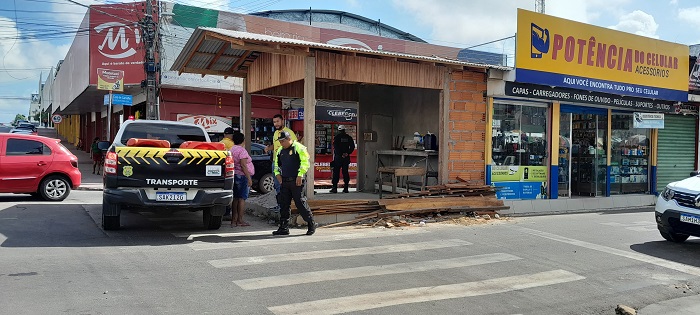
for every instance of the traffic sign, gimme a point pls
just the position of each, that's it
(119, 99)
(56, 119)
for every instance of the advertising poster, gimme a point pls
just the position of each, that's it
(110, 80)
(213, 124)
(519, 182)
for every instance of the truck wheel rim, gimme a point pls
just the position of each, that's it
(56, 188)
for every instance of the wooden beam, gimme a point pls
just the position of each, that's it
(216, 58)
(215, 72)
(310, 119)
(189, 57)
(217, 36)
(240, 60)
(301, 51)
(444, 129)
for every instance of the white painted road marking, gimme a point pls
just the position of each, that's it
(266, 238)
(614, 251)
(639, 226)
(425, 294)
(370, 271)
(344, 252)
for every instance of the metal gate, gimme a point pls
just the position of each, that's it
(676, 149)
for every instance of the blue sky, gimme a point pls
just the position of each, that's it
(44, 26)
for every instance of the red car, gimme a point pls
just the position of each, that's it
(37, 165)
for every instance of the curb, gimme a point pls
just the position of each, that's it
(88, 188)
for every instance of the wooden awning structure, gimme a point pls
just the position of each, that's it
(215, 51)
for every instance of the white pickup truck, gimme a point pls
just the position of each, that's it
(678, 210)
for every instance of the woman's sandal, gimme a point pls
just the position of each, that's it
(243, 224)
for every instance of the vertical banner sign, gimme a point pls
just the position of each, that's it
(558, 52)
(694, 83)
(110, 80)
(117, 41)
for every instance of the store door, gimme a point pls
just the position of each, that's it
(676, 149)
(587, 160)
(564, 178)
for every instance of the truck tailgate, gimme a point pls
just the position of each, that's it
(164, 167)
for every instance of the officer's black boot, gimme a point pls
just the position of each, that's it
(345, 188)
(312, 228)
(334, 190)
(283, 229)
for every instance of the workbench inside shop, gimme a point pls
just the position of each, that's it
(419, 163)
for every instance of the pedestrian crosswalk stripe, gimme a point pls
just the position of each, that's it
(263, 238)
(370, 271)
(425, 294)
(344, 252)
(691, 270)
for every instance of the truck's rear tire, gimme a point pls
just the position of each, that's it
(111, 222)
(211, 222)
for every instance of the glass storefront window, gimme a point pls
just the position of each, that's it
(519, 135)
(629, 169)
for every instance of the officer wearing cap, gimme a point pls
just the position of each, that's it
(291, 165)
(228, 138)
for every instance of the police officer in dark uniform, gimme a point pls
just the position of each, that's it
(291, 166)
(343, 145)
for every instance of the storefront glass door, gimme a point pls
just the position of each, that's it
(564, 179)
(588, 154)
(630, 157)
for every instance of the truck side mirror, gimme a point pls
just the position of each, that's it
(103, 145)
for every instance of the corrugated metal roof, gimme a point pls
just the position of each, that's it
(190, 45)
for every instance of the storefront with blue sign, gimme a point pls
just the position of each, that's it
(585, 120)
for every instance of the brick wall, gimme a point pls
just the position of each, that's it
(467, 126)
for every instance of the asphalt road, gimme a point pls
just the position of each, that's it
(54, 258)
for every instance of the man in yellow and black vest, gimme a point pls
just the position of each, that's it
(291, 165)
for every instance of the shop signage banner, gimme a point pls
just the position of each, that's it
(110, 80)
(295, 114)
(117, 41)
(210, 123)
(564, 53)
(694, 83)
(119, 99)
(648, 120)
(597, 98)
(339, 114)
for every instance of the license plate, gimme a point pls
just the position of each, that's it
(171, 196)
(690, 219)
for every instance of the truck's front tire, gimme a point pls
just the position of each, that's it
(211, 222)
(674, 237)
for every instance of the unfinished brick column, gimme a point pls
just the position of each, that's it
(467, 126)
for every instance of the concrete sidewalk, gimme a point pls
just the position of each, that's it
(689, 305)
(89, 181)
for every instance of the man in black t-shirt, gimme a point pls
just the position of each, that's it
(343, 146)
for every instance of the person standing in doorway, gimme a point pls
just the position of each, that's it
(343, 146)
(292, 163)
(243, 172)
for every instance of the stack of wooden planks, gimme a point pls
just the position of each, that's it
(475, 200)
(458, 189)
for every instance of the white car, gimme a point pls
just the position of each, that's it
(678, 210)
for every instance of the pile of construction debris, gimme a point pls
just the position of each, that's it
(436, 203)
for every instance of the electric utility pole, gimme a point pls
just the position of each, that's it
(152, 62)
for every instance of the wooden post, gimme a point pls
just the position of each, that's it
(444, 130)
(310, 120)
(245, 114)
